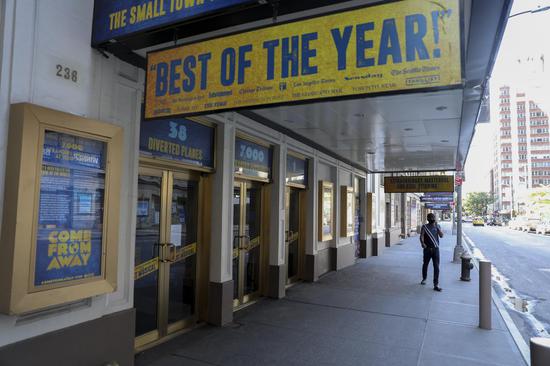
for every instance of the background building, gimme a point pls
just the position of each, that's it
(521, 149)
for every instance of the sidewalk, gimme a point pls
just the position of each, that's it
(373, 313)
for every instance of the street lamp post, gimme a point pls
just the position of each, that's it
(459, 249)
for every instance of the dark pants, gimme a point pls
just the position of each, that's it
(433, 254)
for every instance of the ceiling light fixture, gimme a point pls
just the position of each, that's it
(441, 108)
(444, 140)
(408, 129)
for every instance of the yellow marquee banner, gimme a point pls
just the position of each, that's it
(419, 184)
(402, 45)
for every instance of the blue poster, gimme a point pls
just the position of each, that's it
(70, 212)
(252, 159)
(118, 18)
(296, 170)
(178, 139)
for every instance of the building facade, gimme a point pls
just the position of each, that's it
(521, 150)
(121, 231)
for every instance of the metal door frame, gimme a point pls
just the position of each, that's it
(244, 242)
(288, 189)
(164, 328)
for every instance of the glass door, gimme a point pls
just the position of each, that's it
(292, 233)
(149, 235)
(165, 272)
(247, 239)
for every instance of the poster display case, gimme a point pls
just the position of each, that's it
(61, 209)
(326, 211)
(347, 210)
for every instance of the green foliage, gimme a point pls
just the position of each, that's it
(476, 203)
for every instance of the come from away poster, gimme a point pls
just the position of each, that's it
(392, 47)
(70, 214)
(118, 18)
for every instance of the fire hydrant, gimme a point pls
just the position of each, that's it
(467, 265)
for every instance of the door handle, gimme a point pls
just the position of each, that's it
(246, 240)
(167, 253)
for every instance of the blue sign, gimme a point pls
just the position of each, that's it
(439, 194)
(178, 139)
(438, 206)
(296, 170)
(70, 211)
(437, 199)
(252, 159)
(118, 18)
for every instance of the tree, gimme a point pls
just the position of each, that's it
(476, 203)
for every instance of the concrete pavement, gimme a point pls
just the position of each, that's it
(373, 313)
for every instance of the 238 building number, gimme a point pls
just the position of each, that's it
(66, 73)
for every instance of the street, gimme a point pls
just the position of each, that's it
(524, 260)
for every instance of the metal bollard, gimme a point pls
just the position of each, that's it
(485, 294)
(540, 351)
(467, 265)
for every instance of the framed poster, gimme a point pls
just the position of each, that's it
(60, 239)
(326, 211)
(347, 211)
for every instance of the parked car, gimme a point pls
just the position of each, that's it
(495, 221)
(516, 223)
(478, 221)
(543, 228)
(531, 224)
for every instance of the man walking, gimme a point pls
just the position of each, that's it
(429, 238)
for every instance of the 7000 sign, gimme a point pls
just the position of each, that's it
(250, 153)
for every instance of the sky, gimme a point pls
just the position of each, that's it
(525, 36)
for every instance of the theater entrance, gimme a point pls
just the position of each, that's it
(247, 241)
(293, 234)
(165, 272)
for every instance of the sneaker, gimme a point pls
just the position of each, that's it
(423, 282)
(437, 288)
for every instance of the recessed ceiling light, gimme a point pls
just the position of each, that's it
(370, 152)
(408, 129)
(359, 115)
(441, 108)
(444, 140)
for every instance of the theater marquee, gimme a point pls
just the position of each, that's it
(418, 184)
(405, 45)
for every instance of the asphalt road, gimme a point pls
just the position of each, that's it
(524, 259)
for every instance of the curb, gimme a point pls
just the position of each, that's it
(512, 328)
